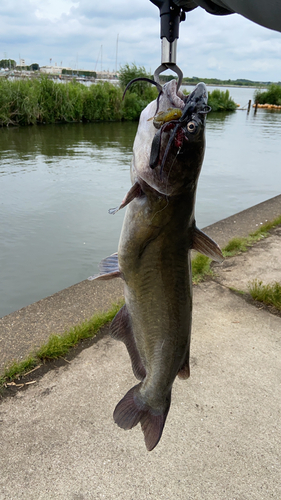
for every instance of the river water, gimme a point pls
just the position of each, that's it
(57, 183)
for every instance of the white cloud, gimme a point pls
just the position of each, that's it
(52, 9)
(74, 31)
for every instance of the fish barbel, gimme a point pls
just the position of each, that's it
(153, 258)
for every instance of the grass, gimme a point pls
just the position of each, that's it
(237, 245)
(236, 290)
(201, 268)
(59, 345)
(269, 294)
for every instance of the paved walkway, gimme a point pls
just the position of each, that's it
(222, 439)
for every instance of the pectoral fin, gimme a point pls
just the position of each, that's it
(108, 268)
(134, 192)
(204, 244)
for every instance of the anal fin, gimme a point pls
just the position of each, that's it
(204, 244)
(121, 329)
(184, 372)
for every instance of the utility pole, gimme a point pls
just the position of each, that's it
(116, 54)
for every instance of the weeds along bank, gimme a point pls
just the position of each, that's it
(30, 102)
(27, 102)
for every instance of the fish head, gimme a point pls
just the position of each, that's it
(169, 158)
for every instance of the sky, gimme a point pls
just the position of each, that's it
(83, 35)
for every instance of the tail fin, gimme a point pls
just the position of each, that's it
(130, 411)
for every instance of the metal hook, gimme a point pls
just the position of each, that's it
(164, 67)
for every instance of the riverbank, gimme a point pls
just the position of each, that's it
(26, 330)
(222, 436)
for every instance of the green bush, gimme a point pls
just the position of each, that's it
(270, 96)
(75, 93)
(102, 102)
(18, 103)
(130, 72)
(5, 99)
(139, 95)
(220, 100)
(132, 107)
(59, 102)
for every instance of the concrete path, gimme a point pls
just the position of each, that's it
(222, 439)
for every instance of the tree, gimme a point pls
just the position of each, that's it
(7, 63)
(34, 67)
(130, 72)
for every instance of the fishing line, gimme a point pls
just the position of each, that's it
(166, 196)
(178, 151)
(164, 208)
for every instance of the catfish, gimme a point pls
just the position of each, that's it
(153, 258)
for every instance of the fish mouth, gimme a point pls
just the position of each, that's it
(193, 106)
(197, 101)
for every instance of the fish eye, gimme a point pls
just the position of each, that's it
(192, 126)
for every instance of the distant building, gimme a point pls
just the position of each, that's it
(58, 70)
(107, 75)
(52, 70)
